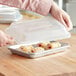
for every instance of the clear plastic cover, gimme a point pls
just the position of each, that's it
(44, 29)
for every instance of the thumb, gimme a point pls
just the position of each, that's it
(62, 21)
(11, 41)
(68, 22)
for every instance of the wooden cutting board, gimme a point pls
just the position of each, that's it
(62, 64)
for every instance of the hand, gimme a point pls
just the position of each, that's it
(61, 16)
(5, 39)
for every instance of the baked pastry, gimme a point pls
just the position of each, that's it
(38, 49)
(27, 48)
(52, 45)
(43, 44)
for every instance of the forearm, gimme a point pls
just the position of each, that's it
(54, 6)
(40, 6)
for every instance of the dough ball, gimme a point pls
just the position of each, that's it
(27, 48)
(43, 45)
(52, 45)
(38, 49)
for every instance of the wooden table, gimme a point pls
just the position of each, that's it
(62, 64)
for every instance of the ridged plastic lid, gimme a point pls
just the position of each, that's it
(44, 29)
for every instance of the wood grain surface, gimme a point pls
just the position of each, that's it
(62, 64)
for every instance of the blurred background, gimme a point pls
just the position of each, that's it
(70, 7)
(10, 14)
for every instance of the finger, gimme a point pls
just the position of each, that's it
(3, 41)
(9, 37)
(65, 22)
(1, 45)
(60, 19)
(68, 22)
(10, 41)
